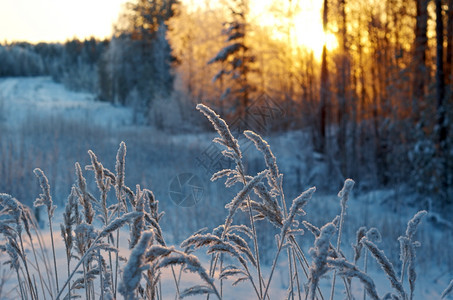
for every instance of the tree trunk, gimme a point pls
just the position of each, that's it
(440, 80)
(441, 109)
(449, 59)
(420, 46)
(343, 83)
(324, 89)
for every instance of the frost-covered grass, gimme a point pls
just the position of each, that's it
(114, 244)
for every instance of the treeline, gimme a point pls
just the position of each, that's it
(74, 63)
(378, 107)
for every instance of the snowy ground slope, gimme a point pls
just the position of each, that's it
(21, 98)
(162, 156)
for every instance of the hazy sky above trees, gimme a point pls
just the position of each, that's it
(59, 20)
(56, 20)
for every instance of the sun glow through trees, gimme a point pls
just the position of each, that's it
(298, 23)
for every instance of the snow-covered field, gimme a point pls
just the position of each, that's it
(22, 98)
(155, 157)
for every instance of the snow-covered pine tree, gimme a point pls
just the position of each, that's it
(236, 58)
(138, 62)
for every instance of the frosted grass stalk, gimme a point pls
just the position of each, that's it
(222, 129)
(119, 183)
(85, 198)
(94, 245)
(407, 246)
(227, 139)
(350, 270)
(46, 199)
(269, 158)
(320, 253)
(386, 265)
(191, 264)
(298, 203)
(248, 186)
(28, 219)
(448, 290)
(274, 174)
(133, 270)
(296, 273)
(344, 195)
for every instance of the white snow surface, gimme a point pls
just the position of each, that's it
(21, 98)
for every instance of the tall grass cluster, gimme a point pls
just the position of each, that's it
(97, 225)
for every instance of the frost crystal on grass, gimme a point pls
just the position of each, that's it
(137, 226)
(119, 222)
(269, 158)
(320, 253)
(156, 251)
(413, 223)
(374, 235)
(296, 207)
(120, 164)
(85, 197)
(11, 207)
(358, 246)
(132, 273)
(407, 253)
(98, 170)
(349, 270)
(386, 265)
(190, 262)
(345, 191)
(196, 290)
(241, 196)
(200, 240)
(45, 198)
(221, 127)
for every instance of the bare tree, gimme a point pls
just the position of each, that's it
(440, 80)
(449, 59)
(324, 93)
(420, 47)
